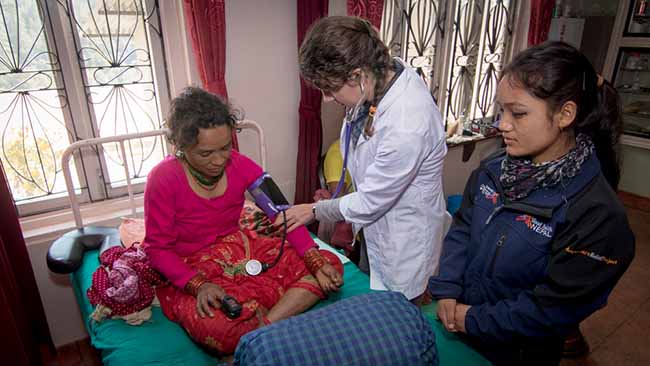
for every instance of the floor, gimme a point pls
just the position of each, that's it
(79, 353)
(617, 335)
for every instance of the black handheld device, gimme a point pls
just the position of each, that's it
(231, 307)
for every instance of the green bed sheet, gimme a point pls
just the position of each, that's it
(160, 342)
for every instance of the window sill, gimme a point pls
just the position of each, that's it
(49, 226)
(456, 140)
(468, 143)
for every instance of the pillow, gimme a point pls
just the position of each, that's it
(379, 328)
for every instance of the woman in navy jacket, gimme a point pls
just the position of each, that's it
(540, 239)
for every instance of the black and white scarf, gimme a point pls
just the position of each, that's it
(520, 176)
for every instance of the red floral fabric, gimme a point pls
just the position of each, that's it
(224, 264)
(367, 9)
(124, 281)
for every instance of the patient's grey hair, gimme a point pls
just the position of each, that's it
(196, 108)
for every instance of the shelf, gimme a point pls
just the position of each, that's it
(641, 19)
(634, 92)
(641, 132)
(637, 115)
(455, 140)
(634, 70)
(640, 142)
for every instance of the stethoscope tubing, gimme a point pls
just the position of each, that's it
(350, 116)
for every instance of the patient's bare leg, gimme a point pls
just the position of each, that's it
(294, 301)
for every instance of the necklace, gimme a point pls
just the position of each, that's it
(207, 183)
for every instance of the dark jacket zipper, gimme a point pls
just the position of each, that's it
(500, 242)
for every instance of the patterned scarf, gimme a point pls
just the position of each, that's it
(359, 123)
(520, 176)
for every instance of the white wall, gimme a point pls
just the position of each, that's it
(456, 172)
(262, 78)
(635, 177)
(61, 310)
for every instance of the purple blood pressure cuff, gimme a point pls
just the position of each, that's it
(267, 196)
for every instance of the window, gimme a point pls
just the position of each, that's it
(76, 69)
(458, 47)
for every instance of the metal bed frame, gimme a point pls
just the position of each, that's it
(120, 139)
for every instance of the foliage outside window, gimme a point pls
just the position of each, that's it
(71, 70)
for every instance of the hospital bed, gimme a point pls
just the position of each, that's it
(160, 341)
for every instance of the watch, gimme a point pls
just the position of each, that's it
(313, 210)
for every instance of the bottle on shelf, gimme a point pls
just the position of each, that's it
(557, 9)
(642, 7)
(633, 61)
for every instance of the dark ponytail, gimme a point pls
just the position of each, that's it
(557, 73)
(607, 132)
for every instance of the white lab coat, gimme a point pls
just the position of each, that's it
(399, 200)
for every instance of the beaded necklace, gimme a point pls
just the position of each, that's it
(207, 183)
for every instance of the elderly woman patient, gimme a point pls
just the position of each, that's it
(193, 202)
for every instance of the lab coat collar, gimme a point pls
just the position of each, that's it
(393, 94)
(397, 89)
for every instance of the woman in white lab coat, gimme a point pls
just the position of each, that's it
(396, 151)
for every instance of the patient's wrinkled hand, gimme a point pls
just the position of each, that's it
(329, 278)
(209, 295)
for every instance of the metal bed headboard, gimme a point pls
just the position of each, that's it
(67, 154)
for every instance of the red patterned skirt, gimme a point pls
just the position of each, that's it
(223, 263)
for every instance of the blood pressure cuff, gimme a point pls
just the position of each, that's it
(66, 253)
(378, 328)
(267, 196)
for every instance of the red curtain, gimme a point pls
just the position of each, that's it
(25, 333)
(206, 24)
(310, 135)
(367, 9)
(541, 12)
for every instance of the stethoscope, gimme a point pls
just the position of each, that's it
(351, 115)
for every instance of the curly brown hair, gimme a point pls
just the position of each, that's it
(337, 45)
(193, 109)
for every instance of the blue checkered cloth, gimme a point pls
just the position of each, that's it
(379, 328)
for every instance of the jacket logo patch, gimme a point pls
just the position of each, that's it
(592, 255)
(489, 193)
(536, 225)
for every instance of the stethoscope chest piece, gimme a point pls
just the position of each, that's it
(253, 267)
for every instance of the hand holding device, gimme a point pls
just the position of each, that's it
(231, 307)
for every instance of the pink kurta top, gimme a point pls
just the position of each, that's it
(179, 222)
